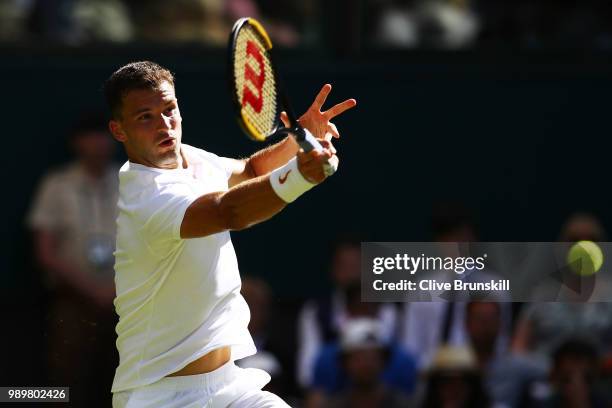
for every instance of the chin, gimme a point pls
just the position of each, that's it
(168, 159)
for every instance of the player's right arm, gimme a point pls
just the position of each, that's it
(250, 202)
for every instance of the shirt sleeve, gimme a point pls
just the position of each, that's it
(45, 211)
(161, 214)
(223, 163)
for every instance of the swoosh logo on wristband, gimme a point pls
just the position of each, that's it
(282, 179)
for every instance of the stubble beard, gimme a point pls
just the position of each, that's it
(171, 158)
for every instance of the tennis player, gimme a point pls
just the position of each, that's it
(182, 320)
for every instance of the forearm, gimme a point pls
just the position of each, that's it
(255, 200)
(242, 206)
(270, 158)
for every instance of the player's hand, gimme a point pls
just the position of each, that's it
(317, 122)
(311, 164)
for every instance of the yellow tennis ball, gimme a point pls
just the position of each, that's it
(585, 258)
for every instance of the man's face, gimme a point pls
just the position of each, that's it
(346, 266)
(364, 366)
(482, 324)
(573, 377)
(94, 148)
(150, 126)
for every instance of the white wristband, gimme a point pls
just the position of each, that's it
(288, 183)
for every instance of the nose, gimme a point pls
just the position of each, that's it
(166, 122)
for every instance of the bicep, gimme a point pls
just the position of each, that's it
(203, 217)
(246, 204)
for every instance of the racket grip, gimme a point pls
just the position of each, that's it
(310, 143)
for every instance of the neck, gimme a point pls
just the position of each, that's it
(367, 391)
(93, 170)
(180, 162)
(484, 352)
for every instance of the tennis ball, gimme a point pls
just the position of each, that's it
(585, 258)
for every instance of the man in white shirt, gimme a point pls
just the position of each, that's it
(182, 320)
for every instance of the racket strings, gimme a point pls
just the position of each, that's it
(255, 82)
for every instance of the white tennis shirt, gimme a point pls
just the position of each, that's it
(177, 299)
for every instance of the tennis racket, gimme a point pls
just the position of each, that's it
(256, 93)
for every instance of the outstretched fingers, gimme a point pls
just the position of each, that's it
(321, 97)
(340, 108)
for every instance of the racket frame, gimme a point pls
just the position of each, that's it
(295, 130)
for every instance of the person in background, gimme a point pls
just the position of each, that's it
(363, 357)
(542, 327)
(428, 325)
(505, 375)
(454, 380)
(78, 22)
(330, 377)
(446, 24)
(73, 223)
(573, 380)
(273, 354)
(321, 320)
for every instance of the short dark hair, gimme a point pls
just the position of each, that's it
(576, 347)
(449, 216)
(135, 75)
(88, 121)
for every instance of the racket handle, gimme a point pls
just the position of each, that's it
(310, 143)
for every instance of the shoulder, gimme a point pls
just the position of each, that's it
(58, 176)
(141, 185)
(197, 153)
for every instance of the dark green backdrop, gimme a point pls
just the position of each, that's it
(522, 139)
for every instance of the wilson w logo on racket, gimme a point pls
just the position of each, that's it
(255, 90)
(256, 79)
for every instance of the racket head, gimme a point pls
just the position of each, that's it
(252, 79)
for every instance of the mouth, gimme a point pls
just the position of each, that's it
(167, 142)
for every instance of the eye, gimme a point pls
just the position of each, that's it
(144, 117)
(170, 110)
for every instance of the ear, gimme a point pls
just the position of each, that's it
(116, 130)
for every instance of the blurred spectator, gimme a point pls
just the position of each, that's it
(573, 379)
(210, 21)
(563, 283)
(73, 220)
(431, 323)
(399, 370)
(285, 20)
(543, 326)
(557, 24)
(184, 20)
(505, 375)
(272, 355)
(440, 24)
(582, 226)
(322, 320)
(13, 19)
(424, 23)
(448, 24)
(483, 322)
(363, 357)
(454, 381)
(75, 22)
